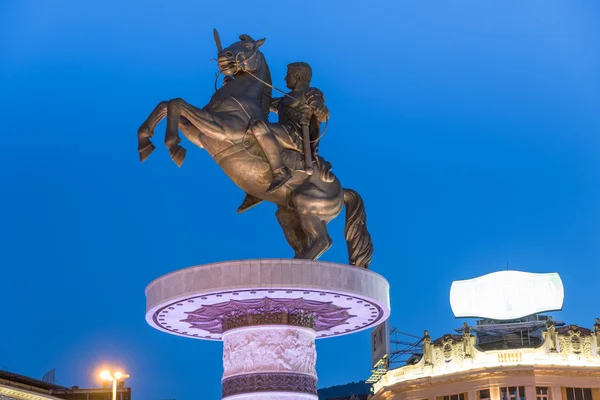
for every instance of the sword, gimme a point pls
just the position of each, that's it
(217, 40)
(304, 123)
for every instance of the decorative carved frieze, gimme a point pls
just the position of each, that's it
(575, 341)
(269, 382)
(449, 349)
(221, 317)
(274, 349)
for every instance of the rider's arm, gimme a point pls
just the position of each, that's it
(316, 99)
(322, 113)
(275, 104)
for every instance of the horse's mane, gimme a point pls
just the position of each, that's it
(267, 91)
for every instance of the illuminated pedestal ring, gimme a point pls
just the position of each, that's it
(268, 314)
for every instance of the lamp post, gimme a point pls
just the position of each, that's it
(116, 377)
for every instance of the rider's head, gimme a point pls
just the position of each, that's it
(299, 75)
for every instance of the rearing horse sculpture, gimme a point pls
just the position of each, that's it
(306, 203)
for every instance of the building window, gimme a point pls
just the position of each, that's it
(513, 393)
(484, 395)
(455, 397)
(542, 393)
(579, 394)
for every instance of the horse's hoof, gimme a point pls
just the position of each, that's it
(178, 155)
(146, 151)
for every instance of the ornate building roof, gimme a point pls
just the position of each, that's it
(451, 355)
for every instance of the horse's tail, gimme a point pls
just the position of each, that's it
(358, 239)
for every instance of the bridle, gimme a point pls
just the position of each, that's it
(243, 66)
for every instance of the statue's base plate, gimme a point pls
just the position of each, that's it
(204, 301)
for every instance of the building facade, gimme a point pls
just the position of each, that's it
(18, 387)
(564, 366)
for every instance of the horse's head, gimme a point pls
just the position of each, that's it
(242, 56)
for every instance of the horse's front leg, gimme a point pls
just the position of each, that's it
(172, 138)
(146, 131)
(202, 120)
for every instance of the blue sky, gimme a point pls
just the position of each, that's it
(470, 128)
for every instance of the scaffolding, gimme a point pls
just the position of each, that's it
(524, 332)
(406, 350)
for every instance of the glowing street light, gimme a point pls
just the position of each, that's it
(116, 377)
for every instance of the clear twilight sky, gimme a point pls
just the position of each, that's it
(470, 128)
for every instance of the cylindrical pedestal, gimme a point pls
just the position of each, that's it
(268, 314)
(269, 362)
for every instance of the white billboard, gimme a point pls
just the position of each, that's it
(507, 295)
(380, 342)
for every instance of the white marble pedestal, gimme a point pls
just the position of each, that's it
(268, 314)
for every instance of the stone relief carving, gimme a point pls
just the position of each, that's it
(427, 349)
(550, 336)
(452, 349)
(575, 341)
(597, 335)
(468, 341)
(438, 355)
(269, 350)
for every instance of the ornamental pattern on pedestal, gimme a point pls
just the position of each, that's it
(272, 350)
(218, 318)
(239, 319)
(255, 383)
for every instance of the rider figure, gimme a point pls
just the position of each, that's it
(293, 109)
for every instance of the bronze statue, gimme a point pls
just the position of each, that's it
(234, 129)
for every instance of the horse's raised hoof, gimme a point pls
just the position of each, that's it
(178, 154)
(146, 151)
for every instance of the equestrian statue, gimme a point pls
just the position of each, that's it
(276, 162)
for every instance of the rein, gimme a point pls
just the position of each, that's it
(218, 74)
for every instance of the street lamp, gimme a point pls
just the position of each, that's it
(116, 377)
